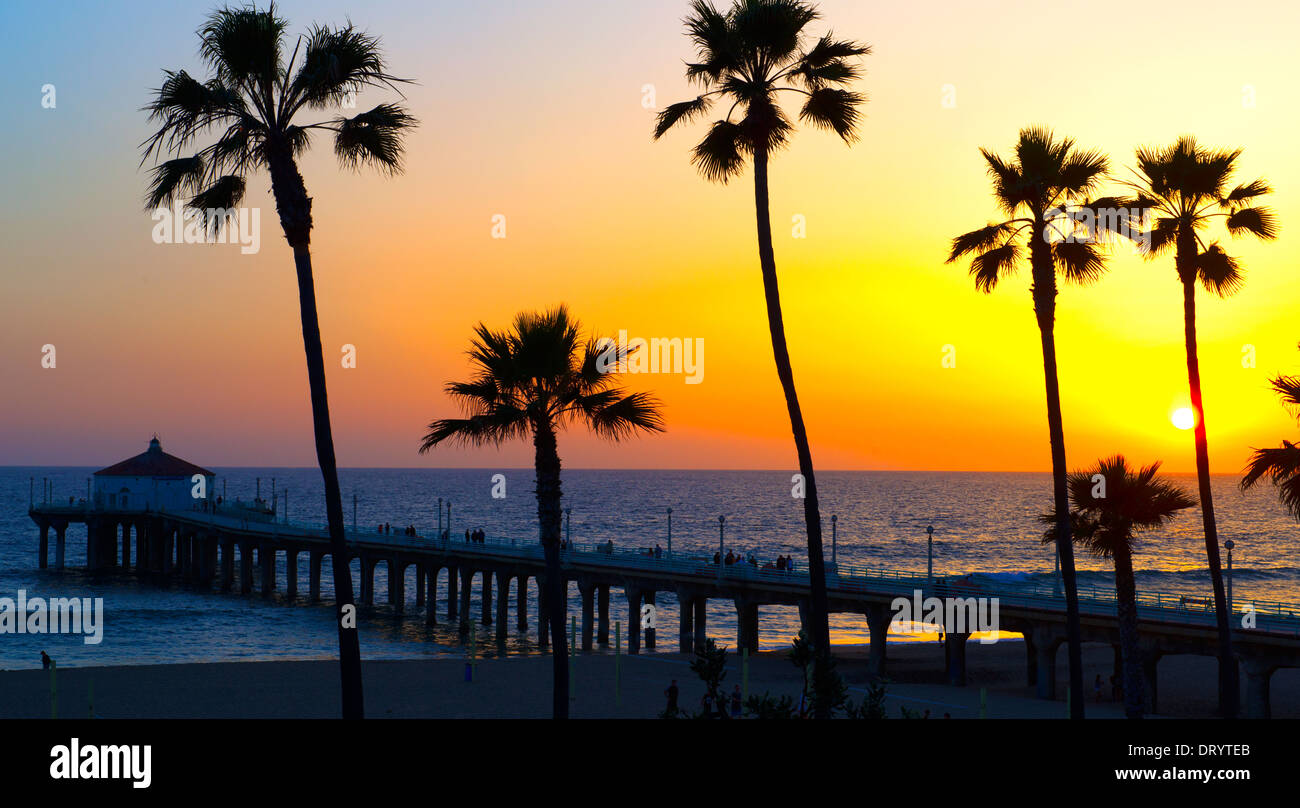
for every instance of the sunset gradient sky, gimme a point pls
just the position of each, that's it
(534, 110)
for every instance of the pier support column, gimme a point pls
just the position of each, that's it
(602, 615)
(1256, 703)
(419, 585)
(183, 549)
(1045, 645)
(486, 617)
(701, 621)
(521, 603)
(126, 543)
(685, 624)
(1151, 678)
(60, 546)
(879, 617)
(367, 567)
(45, 545)
(466, 583)
(588, 594)
(954, 647)
(746, 625)
(168, 551)
(291, 573)
(633, 620)
(266, 558)
(453, 593)
(1031, 659)
(227, 565)
(543, 621)
(397, 585)
(246, 568)
(431, 598)
(652, 618)
(503, 604)
(141, 545)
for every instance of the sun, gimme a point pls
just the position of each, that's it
(1184, 418)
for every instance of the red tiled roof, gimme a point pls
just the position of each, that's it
(153, 463)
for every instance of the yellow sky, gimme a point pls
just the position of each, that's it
(537, 115)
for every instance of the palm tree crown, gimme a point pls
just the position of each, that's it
(1185, 186)
(1041, 190)
(1132, 500)
(747, 56)
(254, 98)
(541, 374)
(1282, 464)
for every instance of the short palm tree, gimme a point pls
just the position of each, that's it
(1112, 502)
(749, 56)
(1281, 465)
(1043, 191)
(1185, 187)
(532, 381)
(253, 99)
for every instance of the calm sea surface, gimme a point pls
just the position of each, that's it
(984, 523)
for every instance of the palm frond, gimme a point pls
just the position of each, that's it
(1259, 222)
(978, 240)
(218, 201)
(991, 266)
(243, 47)
(834, 109)
(1080, 261)
(339, 62)
(173, 179)
(1219, 272)
(720, 155)
(680, 112)
(373, 137)
(1282, 467)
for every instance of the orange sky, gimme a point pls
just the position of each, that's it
(536, 113)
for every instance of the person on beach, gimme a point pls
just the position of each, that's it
(46, 661)
(735, 702)
(706, 704)
(671, 693)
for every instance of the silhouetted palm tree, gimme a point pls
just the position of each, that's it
(1280, 465)
(252, 99)
(748, 55)
(1111, 503)
(534, 380)
(1042, 190)
(1185, 187)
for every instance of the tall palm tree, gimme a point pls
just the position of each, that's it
(748, 56)
(252, 100)
(1185, 187)
(532, 381)
(1044, 191)
(1281, 465)
(1105, 524)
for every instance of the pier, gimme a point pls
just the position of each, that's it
(224, 550)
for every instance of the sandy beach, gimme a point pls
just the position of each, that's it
(519, 687)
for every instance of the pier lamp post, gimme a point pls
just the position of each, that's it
(929, 553)
(440, 517)
(354, 513)
(722, 523)
(286, 506)
(1229, 544)
(834, 536)
(568, 512)
(670, 532)
(449, 520)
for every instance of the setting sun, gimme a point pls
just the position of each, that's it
(1183, 418)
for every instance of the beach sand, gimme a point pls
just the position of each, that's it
(519, 687)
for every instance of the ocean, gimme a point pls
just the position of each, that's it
(984, 523)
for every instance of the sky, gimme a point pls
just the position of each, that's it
(541, 112)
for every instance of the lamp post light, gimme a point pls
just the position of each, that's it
(670, 532)
(1229, 544)
(929, 553)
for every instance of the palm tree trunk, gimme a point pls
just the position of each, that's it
(294, 207)
(1045, 309)
(1126, 608)
(1228, 686)
(548, 517)
(818, 606)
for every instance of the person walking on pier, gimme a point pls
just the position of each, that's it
(46, 661)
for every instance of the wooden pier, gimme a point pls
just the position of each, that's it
(221, 549)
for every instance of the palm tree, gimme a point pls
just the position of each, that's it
(1041, 190)
(1111, 503)
(252, 99)
(534, 380)
(748, 55)
(1185, 187)
(1280, 465)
